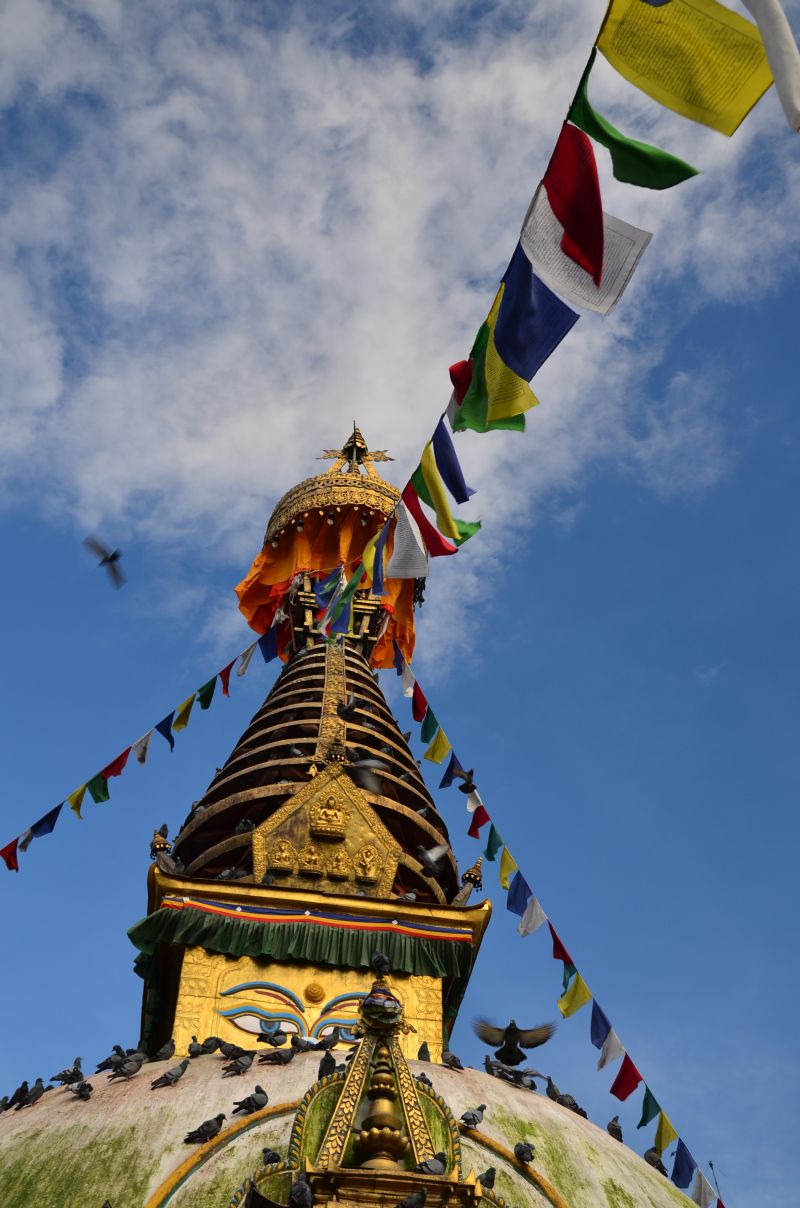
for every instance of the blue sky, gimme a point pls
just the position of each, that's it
(227, 233)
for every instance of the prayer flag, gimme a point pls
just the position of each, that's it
(98, 788)
(439, 748)
(206, 694)
(409, 682)
(75, 800)
(518, 893)
(409, 558)
(559, 951)
(479, 818)
(623, 247)
(599, 1027)
(650, 1107)
(117, 766)
(473, 801)
(25, 839)
(573, 191)
(702, 1192)
(782, 54)
(493, 843)
(46, 824)
(325, 590)
(611, 1051)
(433, 540)
(419, 703)
(450, 772)
(531, 321)
(665, 1133)
(398, 661)
(448, 464)
(268, 644)
(375, 567)
(432, 490)
(533, 917)
(575, 997)
(429, 726)
(8, 855)
(497, 396)
(141, 747)
(244, 661)
(225, 677)
(507, 865)
(181, 719)
(569, 973)
(683, 1167)
(694, 56)
(633, 162)
(627, 1079)
(164, 727)
(460, 378)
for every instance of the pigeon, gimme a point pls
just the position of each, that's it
(114, 1059)
(423, 1078)
(244, 826)
(231, 874)
(269, 1157)
(277, 1057)
(487, 1178)
(127, 1069)
(165, 1052)
(301, 1044)
(19, 1095)
(108, 558)
(195, 1049)
(573, 1106)
(415, 1200)
(239, 1065)
(296, 753)
(614, 1128)
(653, 1158)
(435, 1165)
(511, 1040)
(330, 1041)
(380, 964)
(210, 1044)
(252, 1103)
(411, 896)
(82, 1090)
(451, 1061)
(524, 1152)
(170, 1077)
(424, 1053)
(432, 860)
(33, 1095)
(136, 1055)
(300, 1193)
(205, 1131)
(468, 777)
(276, 1038)
(552, 1091)
(326, 1066)
(230, 1051)
(3, 1103)
(473, 1118)
(354, 703)
(72, 1073)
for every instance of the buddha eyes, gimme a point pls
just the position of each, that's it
(257, 1021)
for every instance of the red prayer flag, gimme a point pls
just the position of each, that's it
(9, 855)
(435, 543)
(419, 705)
(626, 1080)
(116, 767)
(573, 191)
(461, 377)
(479, 819)
(224, 678)
(559, 951)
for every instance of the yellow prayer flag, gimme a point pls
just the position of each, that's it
(509, 394)
(75, 800)
(507, 865)
(433, 481)
(368, 556)
(181, 719)
(439, 747)
(665, 1133)
(694, 56)
(575, 996)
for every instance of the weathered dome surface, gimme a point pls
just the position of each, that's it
(126, 1143)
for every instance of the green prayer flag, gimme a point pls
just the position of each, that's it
(205, 693)
(474, 408)
(650, 1108)
(429, 726)
(569, 973)
(466, 528)
(98, 787)
(493, 843)
(634, 163)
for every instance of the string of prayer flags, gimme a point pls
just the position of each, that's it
(532, 320)
(142, 745)
(436, 545)
(480, 816)
(633, 162)
(429, 725)
(493, 843)
(43, 827)
(574, 997)
(8, 855)
(75, 800)
(627, 1079)
(448, 464)
(495, 396)
(693, 56)
(508, 865)
(450, 772)
(181, 719)
(701, 1191)
(419, 703)
(518, 893)
(533, 918)
(164, 727)
(573, 190)
(782, 54)
(409, 557)
(665, 1133)
(439, 748)
(650, 1108)
(683, 1167)
(98, 788)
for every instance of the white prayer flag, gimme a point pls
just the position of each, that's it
(473, 801)
(533, 917)
(25, 840)
(611, 1050)
(782, 54)
(409, 558)
(141, 747)
(702, 1192)
(244, 661)
(623, 247)
(408, 681)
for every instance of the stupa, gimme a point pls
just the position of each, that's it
(300, 863)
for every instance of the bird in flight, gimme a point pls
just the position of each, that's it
(108, 558)
(511, 1040)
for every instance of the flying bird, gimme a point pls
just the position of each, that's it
(108, 558)
(511, 1040)
(252, 1102)
(205, 1131)
(469, 784)
(354, 703)
(170, 1077)
(432, 859)
(473, 1118)
(614, 1128)
(435, 1165)
(524, 1152)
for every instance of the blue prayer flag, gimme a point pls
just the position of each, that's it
(600, 1026)
(378, 587)
(684, 1166)
(448, 465)
(46, 824)
(164, 728)
(532, 320)
(268, 644)
(450, 772)
(325, 589)
(341, 623)
(398, 658)
(519, 891)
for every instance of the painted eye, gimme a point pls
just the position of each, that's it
(257, 1021)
